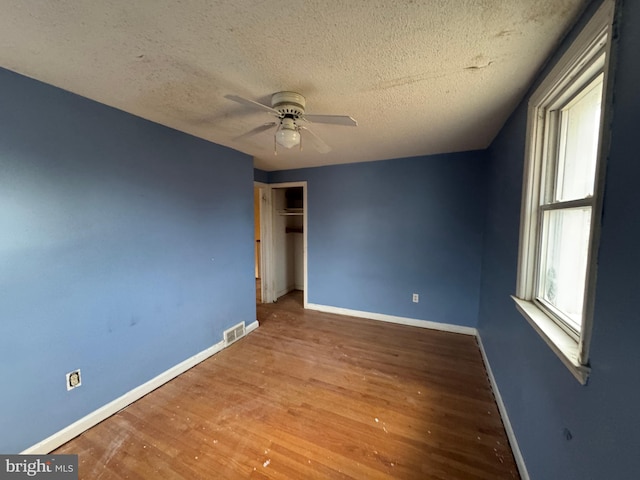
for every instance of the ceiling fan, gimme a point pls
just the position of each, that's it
(289, 110)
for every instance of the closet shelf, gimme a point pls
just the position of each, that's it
(291, 211)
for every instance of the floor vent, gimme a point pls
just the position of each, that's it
(234, 333)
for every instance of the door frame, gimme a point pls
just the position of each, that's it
(265, 231)
(267, 243)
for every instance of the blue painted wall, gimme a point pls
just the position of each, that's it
(125, 248)
(541, 396)
(260, 175)
(380, 231)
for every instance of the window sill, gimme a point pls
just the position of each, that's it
(564, 346)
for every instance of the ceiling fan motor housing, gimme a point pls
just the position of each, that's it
(290, 104)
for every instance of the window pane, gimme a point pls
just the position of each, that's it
(563, 262)
(578, 146)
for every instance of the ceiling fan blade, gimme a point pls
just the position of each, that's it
(332, 119)
(251, 103)
(316, 141)
(255, 131)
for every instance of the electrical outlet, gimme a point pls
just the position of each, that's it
(73, 379)
(416, 298)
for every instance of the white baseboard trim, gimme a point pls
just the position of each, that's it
(522, 468)
(85, 423)
(446, 327)
(251, 327)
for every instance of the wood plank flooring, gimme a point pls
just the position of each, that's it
(312, 395)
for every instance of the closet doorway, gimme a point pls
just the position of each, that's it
(285, 256)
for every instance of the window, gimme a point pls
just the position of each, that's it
(562, 195)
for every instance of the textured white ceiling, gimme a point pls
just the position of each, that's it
(420, 77)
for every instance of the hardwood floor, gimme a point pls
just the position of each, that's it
(312, 395)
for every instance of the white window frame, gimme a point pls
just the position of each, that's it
(575, 70)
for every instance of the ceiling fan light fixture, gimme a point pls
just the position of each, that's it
(289, 110)
(288, 136)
